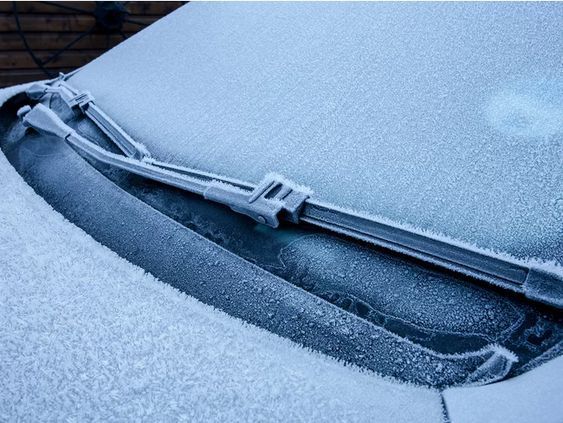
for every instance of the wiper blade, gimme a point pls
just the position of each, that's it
(277, 199)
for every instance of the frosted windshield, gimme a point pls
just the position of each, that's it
(447, 117)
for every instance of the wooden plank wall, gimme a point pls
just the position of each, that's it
(50, 26)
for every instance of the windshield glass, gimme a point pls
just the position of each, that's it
(455, 125)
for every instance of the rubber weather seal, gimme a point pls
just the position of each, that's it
(278, 199)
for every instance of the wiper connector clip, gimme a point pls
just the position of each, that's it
(81, 100)
(274, 199)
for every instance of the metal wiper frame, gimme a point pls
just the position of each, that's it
(277, 199)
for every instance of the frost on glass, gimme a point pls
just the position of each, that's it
(446, 117)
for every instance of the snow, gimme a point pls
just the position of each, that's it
(454, 126)
(86, 335)
(532, 397)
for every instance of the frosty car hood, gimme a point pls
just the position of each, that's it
(444, 117)
(102, 288)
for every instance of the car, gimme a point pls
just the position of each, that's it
(380, 183)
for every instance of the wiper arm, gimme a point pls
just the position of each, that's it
(277, 199)
(84, 101)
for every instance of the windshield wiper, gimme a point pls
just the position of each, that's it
(85, 102)
(277, 199)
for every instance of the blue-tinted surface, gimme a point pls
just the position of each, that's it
(448, 117)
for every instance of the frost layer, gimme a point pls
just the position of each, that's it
(441, 116)
(86, 335)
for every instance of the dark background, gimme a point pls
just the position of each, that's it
(62, 36)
